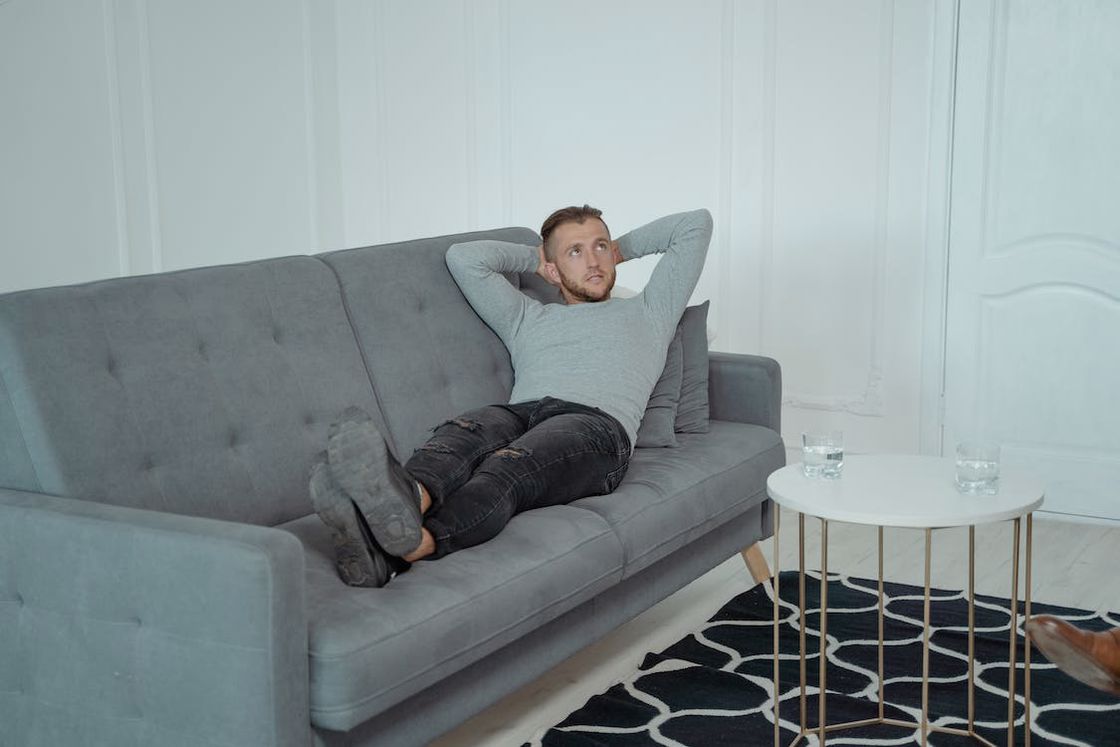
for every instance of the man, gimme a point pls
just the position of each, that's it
(583, 374)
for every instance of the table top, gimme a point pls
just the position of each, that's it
(903, 491)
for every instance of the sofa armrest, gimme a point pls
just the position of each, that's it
(125, 626)
(745, 389)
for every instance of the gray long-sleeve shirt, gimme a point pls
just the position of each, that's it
(606, 354)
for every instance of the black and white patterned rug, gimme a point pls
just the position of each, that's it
(714, 687)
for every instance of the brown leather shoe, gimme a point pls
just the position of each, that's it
(1092, 658)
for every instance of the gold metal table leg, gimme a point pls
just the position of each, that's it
(801, 608)
(881, 706)
(824, 631)
(1013, 633)
(1027, 641)
(925, 646)
(777, 614)
(972, 630)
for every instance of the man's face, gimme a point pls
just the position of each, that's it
(582, 261)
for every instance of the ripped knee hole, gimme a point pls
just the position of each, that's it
(464, 423)
(437, 447)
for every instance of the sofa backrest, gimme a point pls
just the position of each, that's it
(203, 392)
(429, 355)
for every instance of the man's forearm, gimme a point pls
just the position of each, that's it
(656, 236)
(683, 238)
(477, 268)
(479, 259)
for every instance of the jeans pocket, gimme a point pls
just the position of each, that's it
(615, 477)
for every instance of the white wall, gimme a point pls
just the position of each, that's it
(141, 136)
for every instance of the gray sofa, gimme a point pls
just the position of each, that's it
(163, 580)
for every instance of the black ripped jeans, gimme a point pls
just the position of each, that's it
(487, 465)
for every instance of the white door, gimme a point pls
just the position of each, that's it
(1033, 329)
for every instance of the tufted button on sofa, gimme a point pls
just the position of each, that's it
(163, 579)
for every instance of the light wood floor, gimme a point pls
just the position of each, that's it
(1074, 564)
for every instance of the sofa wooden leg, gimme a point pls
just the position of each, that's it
(756, 563)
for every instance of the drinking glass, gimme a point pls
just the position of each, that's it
(822, 454)
(978, 467)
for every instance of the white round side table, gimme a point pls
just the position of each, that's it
(912, 492)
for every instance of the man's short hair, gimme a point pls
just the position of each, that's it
(570, 214)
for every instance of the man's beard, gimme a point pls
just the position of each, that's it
(582, 293)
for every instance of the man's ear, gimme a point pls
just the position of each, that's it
(617, 253)
(553, 274)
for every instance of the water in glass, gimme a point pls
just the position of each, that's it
(822, 454)
(978, 476)
(825, 461)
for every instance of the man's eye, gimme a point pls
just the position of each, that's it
(573, 253)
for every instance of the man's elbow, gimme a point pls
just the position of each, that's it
(696, 223)
(459, 255)
(703, 219)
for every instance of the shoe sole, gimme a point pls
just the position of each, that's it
(362, 465)
(357, 563)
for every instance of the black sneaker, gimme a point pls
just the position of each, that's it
(359, 560)
(388, 498)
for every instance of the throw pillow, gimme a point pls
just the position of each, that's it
(660, 417)
(692, 410)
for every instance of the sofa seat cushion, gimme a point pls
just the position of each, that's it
(371, 648)
(671, 497)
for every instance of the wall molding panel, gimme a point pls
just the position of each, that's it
(486, 110)
(361, 125)
(470, 109)
(322, 122)
(944, 34)
(742, 167)
(505, 118)
(310, 140)
(150, 161)
(130, 66)
(768, 168)
(728, 161)
(992, 168)
(377, 59)
(870, 402)
(109, 28)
